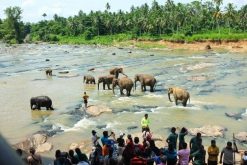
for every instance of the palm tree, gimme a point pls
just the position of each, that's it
(217, 15)
(230, 14)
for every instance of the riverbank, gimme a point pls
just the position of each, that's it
(232, 43)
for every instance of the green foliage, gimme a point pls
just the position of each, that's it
(195, 21)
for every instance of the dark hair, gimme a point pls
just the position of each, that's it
(213, 141)
(71, 153)
(146, 114)
(173, 129)
(183, 130)
(58, 153)
(19, 151)
(229, 144)
(198, 134)
(136, 140)
(105, 133)
(78, 151)
(152, 143)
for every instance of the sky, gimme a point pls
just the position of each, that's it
(33, 9)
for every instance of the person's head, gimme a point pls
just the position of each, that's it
(229, 144)
(71, 153)
(198, 135)
(146, 115)
(173, 129)
(19, 151)
(85, 93)
(213, 143)
(183, 130)
(94, 132)
(184, 145)
(78, 151)
(136, 140)
(32, 150)
(58, 154)
(245, 153)
(105, 133)
(121, 142)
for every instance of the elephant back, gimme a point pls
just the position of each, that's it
(126, 81)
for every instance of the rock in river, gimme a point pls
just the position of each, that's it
(242, 137)
(96, 110)
(208, 130)
(38, 141)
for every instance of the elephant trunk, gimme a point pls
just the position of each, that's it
(169, 97)
(135, 84)
(124, 74)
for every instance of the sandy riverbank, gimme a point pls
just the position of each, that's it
(238, 46)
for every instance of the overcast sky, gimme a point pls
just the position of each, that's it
(33, 9)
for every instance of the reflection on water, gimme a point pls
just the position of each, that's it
(217, 83)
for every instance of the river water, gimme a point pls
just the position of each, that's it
(217, 82)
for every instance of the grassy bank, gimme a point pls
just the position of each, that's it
(122, 39)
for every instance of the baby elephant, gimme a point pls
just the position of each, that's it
(41, 101)
(48, 72)
(89, 79)
(179, 94)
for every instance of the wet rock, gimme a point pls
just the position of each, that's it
(113, 54)
(38, 79)
(131, 127)
(66, 52)
(129, 52)
(92, 69)
(208, 130)
(68, 76)
(208, 47)
(144, 106)
(76, 46)
(64, 72)
(38, 141)
(151, 55)
(44, 147)
(47, 59)
(96, 110)
(242, 137)
(234, 115)
(101, 126)
(120, 48)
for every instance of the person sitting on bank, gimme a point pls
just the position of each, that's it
(145, 122)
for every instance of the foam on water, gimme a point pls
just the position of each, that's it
(82, 124)
(245, 113)
(152, 95)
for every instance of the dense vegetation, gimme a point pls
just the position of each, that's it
(194, 21)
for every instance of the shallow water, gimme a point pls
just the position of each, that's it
(217, 82)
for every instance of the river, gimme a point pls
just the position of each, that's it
(217, 82)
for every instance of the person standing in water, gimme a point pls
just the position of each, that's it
(85, 99)
(145, 122)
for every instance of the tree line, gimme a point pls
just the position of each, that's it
(154, 20)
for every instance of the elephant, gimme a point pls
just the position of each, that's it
(48, 72)
(146, 80)
(41, 101)
(89, 79)
(106, 80)
(123, 83)
(116, 71)
(179, 94)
